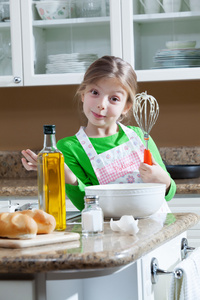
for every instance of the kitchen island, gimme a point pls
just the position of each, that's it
(90, 257)
(113, 266)
(109, 250)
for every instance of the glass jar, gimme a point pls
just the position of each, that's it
(92, 216)
(91, 8)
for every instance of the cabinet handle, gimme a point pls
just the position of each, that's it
(17, 80)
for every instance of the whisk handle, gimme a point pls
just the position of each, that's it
(147, 157)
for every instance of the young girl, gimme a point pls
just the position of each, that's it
(105, 151)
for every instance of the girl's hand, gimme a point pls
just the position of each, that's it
(30, 160)
(154, 174)
(30, 164)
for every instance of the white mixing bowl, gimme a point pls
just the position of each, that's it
(138, 199)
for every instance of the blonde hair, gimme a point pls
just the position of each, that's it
(111, 67)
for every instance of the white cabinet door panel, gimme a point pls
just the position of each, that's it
(17, 289)
(10, 32)
(168, 256)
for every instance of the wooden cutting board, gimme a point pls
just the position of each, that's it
(41, 239)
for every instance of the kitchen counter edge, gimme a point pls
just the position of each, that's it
(118, 249)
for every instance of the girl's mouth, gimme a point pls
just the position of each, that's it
(97, 115)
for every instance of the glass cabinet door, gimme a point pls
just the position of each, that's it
(165, 38)
(62, 38)
(10, 43)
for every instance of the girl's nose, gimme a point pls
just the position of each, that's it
(101, 104)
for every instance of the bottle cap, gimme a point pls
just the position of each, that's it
(49, 129)
(91, 199)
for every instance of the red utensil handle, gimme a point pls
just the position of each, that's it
(147, 157)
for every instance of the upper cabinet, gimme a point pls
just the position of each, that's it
(11, 73)
(52, 42)
(161, 39)
(61, 38)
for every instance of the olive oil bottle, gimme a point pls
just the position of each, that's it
(51, 178)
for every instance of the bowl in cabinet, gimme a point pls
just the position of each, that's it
(50, 10)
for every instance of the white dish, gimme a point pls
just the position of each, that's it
(180, 44)
(69, 63)
(178, 53)
(138, 199)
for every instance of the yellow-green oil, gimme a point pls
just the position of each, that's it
(51, 186)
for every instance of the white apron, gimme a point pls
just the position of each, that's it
(119, 164)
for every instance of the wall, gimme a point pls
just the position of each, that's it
(24, 110)
(179, 120)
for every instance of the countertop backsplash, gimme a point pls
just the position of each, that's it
(17, 181)
(11, 166)
(181, 155)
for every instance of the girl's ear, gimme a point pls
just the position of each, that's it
(127, 108)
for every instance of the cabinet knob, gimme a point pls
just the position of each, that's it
(17, 80)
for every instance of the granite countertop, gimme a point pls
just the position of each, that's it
(18, 187)
(112, 249)
(188, 186)
(28, 186)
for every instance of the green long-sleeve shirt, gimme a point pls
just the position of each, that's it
(78, 161)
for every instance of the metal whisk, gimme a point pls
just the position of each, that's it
(146, 111)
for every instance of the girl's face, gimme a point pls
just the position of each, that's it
(104, 102)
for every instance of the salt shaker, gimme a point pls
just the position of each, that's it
(92, 216)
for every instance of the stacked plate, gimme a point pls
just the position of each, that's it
(69, 63)
(177, 58)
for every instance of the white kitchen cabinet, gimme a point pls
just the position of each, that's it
(11, 72)
(119, 285)
(184, 203)
(131, 282)
(144, 34)
(33, 40)
(17, 289)
(168, 256)
(4, 204)
(86, 35)
(122, 29)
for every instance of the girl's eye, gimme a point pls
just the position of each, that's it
(94, 92)
(114, 99)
